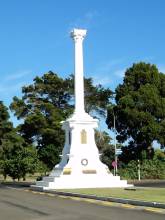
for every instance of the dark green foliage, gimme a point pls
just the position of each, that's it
(16, 157)
(5, 125)
(97, 98)
(43, 106)
(159, 155)
(23, 161)
(49, 155)
(139, 110)
(153, 169)
(130, 171)
(149, 169)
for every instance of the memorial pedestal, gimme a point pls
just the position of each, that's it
(80, 165)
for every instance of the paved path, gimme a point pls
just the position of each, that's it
(21, 204)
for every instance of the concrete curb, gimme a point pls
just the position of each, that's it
(109, 199)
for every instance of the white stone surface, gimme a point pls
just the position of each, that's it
(80, 165)
(78, 36)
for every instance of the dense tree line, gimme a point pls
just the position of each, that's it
(38, 140)
(149, 168)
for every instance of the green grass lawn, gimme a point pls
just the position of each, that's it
(144, 194)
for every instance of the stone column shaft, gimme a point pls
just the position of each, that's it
(78, 37)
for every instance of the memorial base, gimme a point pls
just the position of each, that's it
(80, 166)
(85, 181)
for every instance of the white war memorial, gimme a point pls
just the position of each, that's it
(80, 165)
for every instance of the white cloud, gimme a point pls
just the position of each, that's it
(107, 67)
(161, 69)
(106, 72)
(102, 80)
(12, 83)
(17, 75)
(11, 88)
(119, 73)
(149, 59)
(86, 21)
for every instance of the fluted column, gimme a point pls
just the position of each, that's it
(78, 36)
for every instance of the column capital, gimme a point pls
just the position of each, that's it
(78, 34)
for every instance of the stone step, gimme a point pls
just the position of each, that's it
(42, 183)
(49, 178)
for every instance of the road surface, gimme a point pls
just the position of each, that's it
(21, 204)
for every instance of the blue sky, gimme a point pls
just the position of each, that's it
(34, 38)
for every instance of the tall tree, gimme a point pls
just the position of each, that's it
(139, 110)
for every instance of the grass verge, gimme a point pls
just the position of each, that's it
(143, 194)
